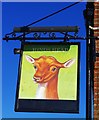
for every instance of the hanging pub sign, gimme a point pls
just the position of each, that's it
(48, 79)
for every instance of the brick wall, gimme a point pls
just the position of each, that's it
(96, 66)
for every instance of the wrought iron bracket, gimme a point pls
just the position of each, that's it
(43, 33)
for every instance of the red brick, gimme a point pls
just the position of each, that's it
(96, 79)
(96, 117)
(96, 34)
(96, 69)
(96, 87)
(96, 90)
(96, 5)
(97, 58)
(96, 95)
(96, 25)
(96, 11)
(96, 72)
(96, 16)
(96, 84)
(96, 19)
(97, 63)
(97, 49)
(96, 108)
(97, 45)
(97, 42)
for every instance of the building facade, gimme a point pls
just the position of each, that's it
(96, 65)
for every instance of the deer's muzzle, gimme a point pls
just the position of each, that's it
(36, 79)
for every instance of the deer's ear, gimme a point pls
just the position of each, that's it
(69, 63)
(29, 59)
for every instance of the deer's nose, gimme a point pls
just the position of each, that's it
(36, 79)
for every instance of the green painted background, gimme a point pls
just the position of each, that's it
(67, 79)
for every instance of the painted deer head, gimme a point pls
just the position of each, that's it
(47, 67)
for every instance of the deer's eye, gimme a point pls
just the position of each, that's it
(53, 69)
(35, 67)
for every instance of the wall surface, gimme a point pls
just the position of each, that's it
(96, 66)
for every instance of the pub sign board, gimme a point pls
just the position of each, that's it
(48, 79)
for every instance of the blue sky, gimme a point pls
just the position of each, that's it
(20, 14)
